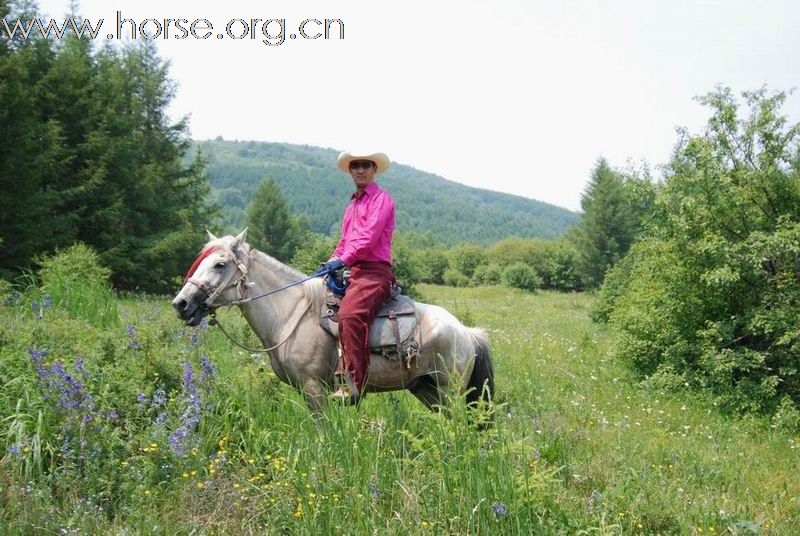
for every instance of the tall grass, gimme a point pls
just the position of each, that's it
(577, 447)
(74, 280)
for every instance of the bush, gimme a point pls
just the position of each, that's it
(487, 274)
(74, 279)
(514, 249)
(467, 258)
(614, 286)
(406, 267)
(432, 264)
(712, 292)
(555, 261)
(454, 278)
(558, 265)
(521, 276)
(313, 250)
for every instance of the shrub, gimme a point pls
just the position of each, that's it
(487, 274)
(555, 261)
(406, 267)
(432, 264)
(712, 292)
(467, 258)
(558, 265)
(313, 250)
(74, 280)
(521, 276)
(454, 278)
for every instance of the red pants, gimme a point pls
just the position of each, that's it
(370, 286)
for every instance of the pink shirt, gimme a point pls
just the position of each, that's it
(367, 227)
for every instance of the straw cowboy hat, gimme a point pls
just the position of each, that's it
(380, 159)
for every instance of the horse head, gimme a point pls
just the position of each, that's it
(214, 278)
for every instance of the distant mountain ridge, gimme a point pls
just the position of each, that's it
(314, 187)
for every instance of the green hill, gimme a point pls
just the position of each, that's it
(312, 185)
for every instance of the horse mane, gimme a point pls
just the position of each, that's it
(314, 289)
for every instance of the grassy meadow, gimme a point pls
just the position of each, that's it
(145, 426)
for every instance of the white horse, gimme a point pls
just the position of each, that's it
(304, 355)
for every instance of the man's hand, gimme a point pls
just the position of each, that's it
(332, 265)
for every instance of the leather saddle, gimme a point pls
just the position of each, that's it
(391, 333)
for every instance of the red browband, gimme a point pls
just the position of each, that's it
(203, 254)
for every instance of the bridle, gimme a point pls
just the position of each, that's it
(227, 282)
(241, 285)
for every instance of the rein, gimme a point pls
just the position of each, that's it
(215, 321)
(275, 291)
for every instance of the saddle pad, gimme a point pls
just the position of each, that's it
(381, 332)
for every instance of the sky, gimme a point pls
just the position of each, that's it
(517, 96)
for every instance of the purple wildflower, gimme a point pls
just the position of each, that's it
(374, 490)
(14, 450)
(133, 343)
(208, 368)
(37, 310)
(79, 367)
(188, 376)
(142, 399)
(37, 356)
(217, 458)
(500, 510)
(182, 439)
(65, 390)
(13, 298)
(159, 398)
(65, 449)
(47, 301)
(594, 502)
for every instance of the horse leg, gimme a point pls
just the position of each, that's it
(430, 392)
(314, 393)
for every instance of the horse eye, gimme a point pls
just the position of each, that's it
(220, 264)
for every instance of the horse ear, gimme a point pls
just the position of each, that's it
(211, 235)
(239, 239)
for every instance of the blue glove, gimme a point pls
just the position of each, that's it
(332, 265)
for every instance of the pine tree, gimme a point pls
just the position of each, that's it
(609, 223)
(30, 153)
(271, 227)
(162, 205)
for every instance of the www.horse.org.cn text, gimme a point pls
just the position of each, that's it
(271, 32)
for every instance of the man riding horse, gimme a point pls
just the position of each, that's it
(285, 309)
(366, 249)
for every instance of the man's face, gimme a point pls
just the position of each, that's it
(363, 172)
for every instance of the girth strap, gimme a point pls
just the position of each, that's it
(396, 330)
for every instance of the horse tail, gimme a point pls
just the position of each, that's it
(481, 381)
